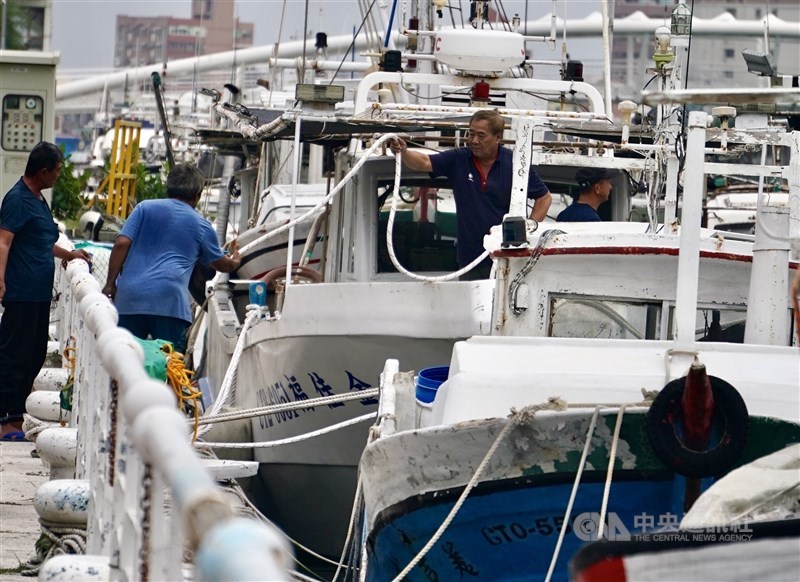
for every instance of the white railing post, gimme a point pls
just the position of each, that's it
(691, 213)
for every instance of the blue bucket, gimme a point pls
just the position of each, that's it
(428, 382)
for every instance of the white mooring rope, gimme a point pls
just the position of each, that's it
(611, 459)
(573, 494)
(290, 440)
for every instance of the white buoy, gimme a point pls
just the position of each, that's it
(51, 379)
(58, 447)
(63, 501)
(46, 405)
(72, 568)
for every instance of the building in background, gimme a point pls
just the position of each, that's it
(714, 61)
(212, 28)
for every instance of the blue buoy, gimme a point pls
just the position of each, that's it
(428, 382)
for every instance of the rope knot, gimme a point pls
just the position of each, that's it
(649, 395)
(526, 414)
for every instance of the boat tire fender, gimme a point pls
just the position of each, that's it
(305, 274)
(731, 424)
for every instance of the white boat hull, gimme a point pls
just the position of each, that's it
(319, 348)
(308, 486)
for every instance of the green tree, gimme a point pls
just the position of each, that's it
(67, 202)
(149, 185)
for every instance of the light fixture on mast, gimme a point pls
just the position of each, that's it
(680, 24)
(663, 56)
(681, 20)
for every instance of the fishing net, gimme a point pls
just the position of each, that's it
(100, 254)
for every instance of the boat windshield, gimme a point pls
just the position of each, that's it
(597, 317)
(587, 317)
(716, 325)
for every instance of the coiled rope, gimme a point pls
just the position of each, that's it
(179, 379)
(55, 539)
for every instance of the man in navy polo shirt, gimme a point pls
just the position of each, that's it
(595, 189)
(481, 176)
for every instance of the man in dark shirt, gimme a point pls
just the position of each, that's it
(28, 238)
(481, 175)
(595, 188)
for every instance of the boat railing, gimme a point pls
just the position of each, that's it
(591, 93)
(151, 497)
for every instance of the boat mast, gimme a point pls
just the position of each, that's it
(691, 215)
(608, 26)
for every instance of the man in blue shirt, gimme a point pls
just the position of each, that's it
(481, 176)
(595, 188)
(153, 258)
(28, 238)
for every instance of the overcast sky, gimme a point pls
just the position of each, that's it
(83, 30)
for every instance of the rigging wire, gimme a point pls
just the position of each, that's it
(557, 101)
(503, 15)
(305, 42)
(684, 117)
(464, 91)
(452, 16)
(390, 25)
(276, 50)
(194, 65)
(352, 42)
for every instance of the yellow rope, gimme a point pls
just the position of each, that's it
(180, 380)
(71, 355)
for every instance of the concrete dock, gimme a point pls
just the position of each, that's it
(20, 477)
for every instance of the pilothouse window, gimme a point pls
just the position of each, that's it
(590, 317)
(424, 237)
(716, 325)
(601, 317)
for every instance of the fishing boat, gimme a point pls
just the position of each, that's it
(745, 525)
(555, 397)
(628, 367)
(328, 328)
(384, 289)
